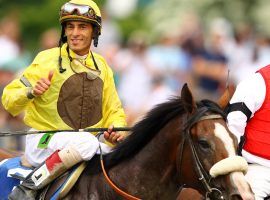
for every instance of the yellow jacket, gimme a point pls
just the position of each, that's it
(50, 110)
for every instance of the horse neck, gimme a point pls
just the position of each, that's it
(158, 151)
(154, 167)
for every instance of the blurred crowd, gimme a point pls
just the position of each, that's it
(148, 70)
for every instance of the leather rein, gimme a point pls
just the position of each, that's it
(203, 176)
(110, 182)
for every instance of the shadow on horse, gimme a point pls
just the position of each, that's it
(174, 146)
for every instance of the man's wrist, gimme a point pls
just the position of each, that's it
(30, 93)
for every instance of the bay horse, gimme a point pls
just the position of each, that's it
(178, 143)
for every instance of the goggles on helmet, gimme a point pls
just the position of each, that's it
(70, 9)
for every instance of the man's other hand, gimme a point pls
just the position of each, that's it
(113, 137)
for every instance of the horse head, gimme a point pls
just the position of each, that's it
(179, 142)
(209, 146)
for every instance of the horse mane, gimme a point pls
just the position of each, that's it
(143, 131)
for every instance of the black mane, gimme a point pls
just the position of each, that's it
(147, 128)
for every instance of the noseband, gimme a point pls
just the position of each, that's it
(203, 175)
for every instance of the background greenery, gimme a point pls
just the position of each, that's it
(38, 15)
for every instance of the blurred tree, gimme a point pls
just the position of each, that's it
(35, 17)
(164, 14)
(151, 15)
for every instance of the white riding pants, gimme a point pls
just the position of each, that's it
(85, 143)
(258, 177)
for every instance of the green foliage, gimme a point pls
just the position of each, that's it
(35, 16)
(136, 21)
(164, 14)
(152, 16)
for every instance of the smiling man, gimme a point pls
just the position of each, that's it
(79, 35)
(69, 88)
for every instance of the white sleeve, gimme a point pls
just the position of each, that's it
(250, 91)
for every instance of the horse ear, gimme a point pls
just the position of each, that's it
(187, 99)
(226, 96)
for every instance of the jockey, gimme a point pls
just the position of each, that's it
(249, 119)
(69, 87)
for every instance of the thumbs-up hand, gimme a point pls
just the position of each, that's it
(50, 75)
(43, 84)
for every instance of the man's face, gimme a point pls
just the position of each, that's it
(79, 36)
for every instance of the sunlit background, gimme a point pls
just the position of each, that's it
(153, 47)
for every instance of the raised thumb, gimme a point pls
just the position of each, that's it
(50, 75)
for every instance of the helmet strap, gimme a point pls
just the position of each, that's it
(63, 39)
(61, 42)
(95, 35)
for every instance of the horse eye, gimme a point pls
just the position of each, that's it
(204, 144)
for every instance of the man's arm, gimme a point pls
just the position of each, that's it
(113, 112)
(20, 92)
(14, 98)
(250, 94)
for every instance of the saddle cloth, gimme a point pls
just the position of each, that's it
(12, 172)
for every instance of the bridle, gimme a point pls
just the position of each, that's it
(203, 175)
